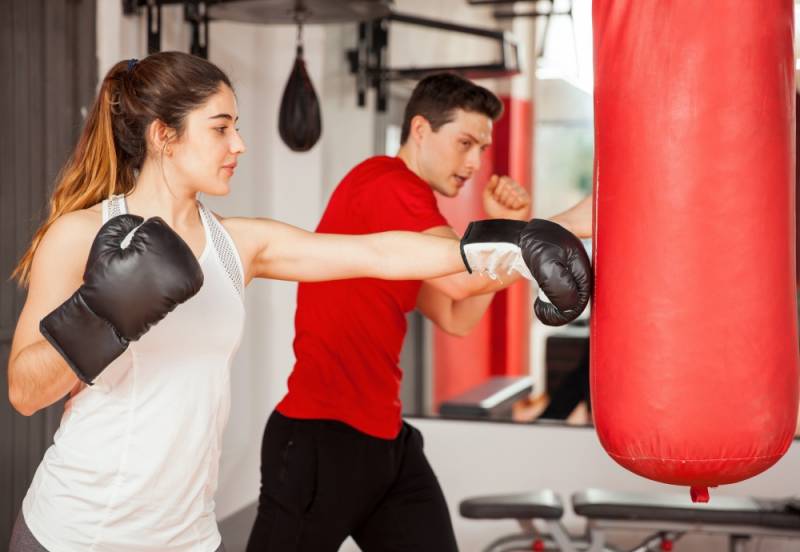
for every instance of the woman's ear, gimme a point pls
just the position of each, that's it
(160, 136)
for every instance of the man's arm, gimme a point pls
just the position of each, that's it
(578, 218)
(457, 302)
(456, 317)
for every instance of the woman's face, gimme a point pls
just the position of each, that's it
(204, 157)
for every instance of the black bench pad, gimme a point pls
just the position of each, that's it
(544, 504)
(665, 507)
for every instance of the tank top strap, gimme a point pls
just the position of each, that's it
(223, 246)
(114, 206)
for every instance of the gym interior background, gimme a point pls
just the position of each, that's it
(52, 55)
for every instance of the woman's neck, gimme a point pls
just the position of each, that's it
(153, 196)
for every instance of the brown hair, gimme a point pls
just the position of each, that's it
(113, 144)
(436, 97)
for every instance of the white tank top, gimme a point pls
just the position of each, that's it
(134, 463)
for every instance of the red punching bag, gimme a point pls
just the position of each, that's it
(797, 181)
(694, 333)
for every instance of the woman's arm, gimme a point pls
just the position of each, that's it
(270, 249)
(38, 376)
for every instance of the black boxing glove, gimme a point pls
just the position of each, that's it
(137, 272)
(561, 267)
(539, 250)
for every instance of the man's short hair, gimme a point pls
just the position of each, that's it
(437, 96)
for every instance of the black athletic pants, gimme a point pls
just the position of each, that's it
(322, 481)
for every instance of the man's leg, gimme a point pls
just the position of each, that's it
(413, 515)
(290, 513)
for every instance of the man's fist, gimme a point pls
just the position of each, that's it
(505, 199)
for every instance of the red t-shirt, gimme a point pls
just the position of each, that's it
(348, 333)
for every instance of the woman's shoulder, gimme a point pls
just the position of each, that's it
(239, 228)
(247, 227)
(87, 219)
(66, 243)
(75, 229)
(249, 234)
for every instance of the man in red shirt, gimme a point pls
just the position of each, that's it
(337, 459)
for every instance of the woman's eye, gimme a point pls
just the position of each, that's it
(221, 129)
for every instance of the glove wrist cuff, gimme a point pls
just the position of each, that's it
(86, 341)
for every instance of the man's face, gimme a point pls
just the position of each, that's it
(451, 155)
